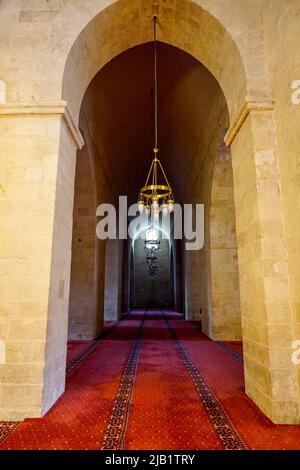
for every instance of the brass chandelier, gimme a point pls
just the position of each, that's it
(156, 195)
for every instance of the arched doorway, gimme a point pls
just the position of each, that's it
(209, 34)
(235, 91)
(187, 93)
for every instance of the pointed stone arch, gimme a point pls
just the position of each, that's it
(127, 23)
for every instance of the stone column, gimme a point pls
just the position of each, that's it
(192, 280)
(178, 274)
(113, 279)
(87, 268)
(268, 328)
(224, 322)
(37, 158)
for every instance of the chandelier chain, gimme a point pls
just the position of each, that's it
(157, 189)
(155, 83)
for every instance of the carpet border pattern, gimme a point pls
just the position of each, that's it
(81, 356)
(6, 427)
(116, 430)
(227, 434)
(230, 351)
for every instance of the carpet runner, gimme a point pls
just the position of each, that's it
(153, 381)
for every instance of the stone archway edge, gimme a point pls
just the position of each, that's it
(45, 109)
(249, 105)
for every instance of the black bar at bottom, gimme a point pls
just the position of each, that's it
(152, 459)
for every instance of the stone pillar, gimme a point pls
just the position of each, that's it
(37, 159)
(113, 279)
(192, 280)
(178, 274)
(125, 277)
(225, 314)
(268, 330)
(87, 268)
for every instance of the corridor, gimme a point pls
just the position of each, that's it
(152, 381)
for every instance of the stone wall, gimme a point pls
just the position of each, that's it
(225, 319)
(93, 186)
(284, 70)
(178, 275)
(126, 277)
(37, 158)
(113, 280)
(211, 275)
(152, 291)
(83, 284)
(264, 275)
(59, 286)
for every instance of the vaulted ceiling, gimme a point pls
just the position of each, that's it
(118, 109)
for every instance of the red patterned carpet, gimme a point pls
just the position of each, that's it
(75, 348)
(152, 382)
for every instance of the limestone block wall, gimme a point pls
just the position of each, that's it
(270, 375)
(37, 170)
(207, 29)
(125, 277)
(83, 284)
(113, 279)
(178, 275)
(92, 187)
(191, 283)
(284, 71)
(211, 274)
(59, 285)
(225, 296)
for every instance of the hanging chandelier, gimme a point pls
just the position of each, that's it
(156, 195)
(152, 246)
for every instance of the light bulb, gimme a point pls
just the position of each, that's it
(156, 216)
(170, 205)
(165, 209)
(155, 213)
(155, 204)
(147, 210)
(141, 206)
